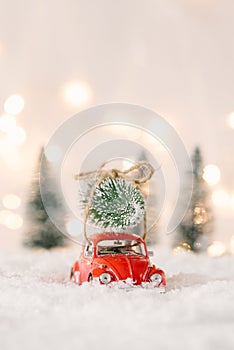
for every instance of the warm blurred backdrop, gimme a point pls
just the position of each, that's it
(173, 56)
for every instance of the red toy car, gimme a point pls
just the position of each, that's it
(117, 257)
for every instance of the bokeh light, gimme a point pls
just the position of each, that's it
(200, 215)
(13, 221)
(211, 174)
(9, 153)
(183, 247)
(3, 216)
(220, 198)
(10, 220)
(77, 93)
(14, 105)
(216, 249)
(53, 153)
(7, 123)
(231, 120)
(232, 201)
(11, 201)
(17, 136)
(74, 227)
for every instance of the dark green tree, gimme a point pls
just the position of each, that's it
(41, 231)
(195, 228)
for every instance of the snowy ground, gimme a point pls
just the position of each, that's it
(41, 309)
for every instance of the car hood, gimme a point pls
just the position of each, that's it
(127, 266)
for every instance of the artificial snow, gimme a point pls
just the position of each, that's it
(41, 309)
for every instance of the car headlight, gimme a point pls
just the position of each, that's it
(156, 278)
(105, 278)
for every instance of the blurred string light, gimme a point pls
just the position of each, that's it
(3, 216)
(216, 249)
(11, 201)
(10, 220)
(7, 123)
(17, 136)
(13, 221)
(14, 105)
(231, 120)
(77, 93)
(211, 174)
(74, 227)
(232, 201)
(9, 152)
(183, 247)
(220, 198)
(199, 215)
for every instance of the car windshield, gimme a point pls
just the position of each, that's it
(120, 246)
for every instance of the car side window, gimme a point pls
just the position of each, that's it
(88, 250)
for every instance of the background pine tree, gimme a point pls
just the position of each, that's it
(41, 231)
(194, 230)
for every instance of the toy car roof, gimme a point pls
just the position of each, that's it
(113, 235)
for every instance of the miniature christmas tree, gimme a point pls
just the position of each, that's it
(113, 198)
(116, 204)
(42, 232)
(197, 224)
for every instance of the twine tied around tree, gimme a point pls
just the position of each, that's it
(101, 174)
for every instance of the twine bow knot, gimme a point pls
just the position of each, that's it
(102, 174)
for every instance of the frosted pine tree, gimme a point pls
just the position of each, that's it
(114, 204)
(41, 231)
(196, 226)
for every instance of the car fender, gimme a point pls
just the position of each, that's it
(153, 269)
(96, 272)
